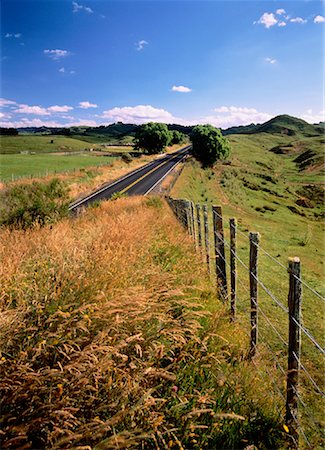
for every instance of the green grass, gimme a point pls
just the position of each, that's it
(260, 189)
(40, 144)
(34, 165)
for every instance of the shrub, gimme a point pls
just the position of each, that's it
(26, 205)
(208, 144)
(127, 158)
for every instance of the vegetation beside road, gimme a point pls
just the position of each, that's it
(108, 339)
(273, 186)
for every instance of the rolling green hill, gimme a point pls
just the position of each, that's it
(283, 124)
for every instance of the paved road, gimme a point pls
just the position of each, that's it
(139, 182)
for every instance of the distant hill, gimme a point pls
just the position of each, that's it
(283, 124)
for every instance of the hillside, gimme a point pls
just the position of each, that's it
(108, 340)
(283, 124)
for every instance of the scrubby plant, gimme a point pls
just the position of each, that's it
(25, 205)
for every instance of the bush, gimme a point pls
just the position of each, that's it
(127, 158)
(208, 144)
(26, 205)
(152, 137)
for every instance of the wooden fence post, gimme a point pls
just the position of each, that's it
(189, 218)
(219, 250)
(254, 239)
(294, 305)
(206, 235)
(193, 221)
(233, 267)
(198, 218)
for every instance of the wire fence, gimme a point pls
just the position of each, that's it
(265, 297)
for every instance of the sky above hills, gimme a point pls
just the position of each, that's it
(227, 63)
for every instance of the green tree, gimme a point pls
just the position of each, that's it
(152, 137)
(208, 144)
(177, 137)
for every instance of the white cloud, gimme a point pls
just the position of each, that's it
(29, 123)
(77, 7)
(59, 109)
(63, 70)
(141, 44)
(298, 20)
(86, 105)
(181, 89)
(268, 20)
(56, 54)
(4, 116)
(271, 60)
(5, 102)
(139, 114)
(319, 19)
(13, 35)
(311, 117)
(282, 24)
(37, 110)
(228, 116)
(280, 11)
(22, 123)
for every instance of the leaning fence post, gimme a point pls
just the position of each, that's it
(254, 239)
(198, 216)
(206, 235)
(233, 267)
(219, 250)
(294, 305)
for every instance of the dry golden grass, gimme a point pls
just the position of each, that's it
(111, 337)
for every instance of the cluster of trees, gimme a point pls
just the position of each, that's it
(154, 137)
(8, 132)
(208, 143)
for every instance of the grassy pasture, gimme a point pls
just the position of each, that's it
(41, 164)
(42, 144)
(261, 189)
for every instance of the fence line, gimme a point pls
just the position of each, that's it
(298, 430)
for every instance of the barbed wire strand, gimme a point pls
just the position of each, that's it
(313, 382)
(275, 358)
(279, 263)
(309, 335)
(270, 375)
(271, 325)
(301, 431)
(306, 408)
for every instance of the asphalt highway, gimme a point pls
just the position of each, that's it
(138, 182)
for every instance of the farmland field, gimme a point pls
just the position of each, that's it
(41, 164)
(40, 144)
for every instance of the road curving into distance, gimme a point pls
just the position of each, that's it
(138, 182)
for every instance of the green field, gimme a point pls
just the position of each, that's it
(270, 194)
(16, 166)
(40, 144)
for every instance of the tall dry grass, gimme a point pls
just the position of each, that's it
(111, 337)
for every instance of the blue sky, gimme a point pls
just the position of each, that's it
(220, 62)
